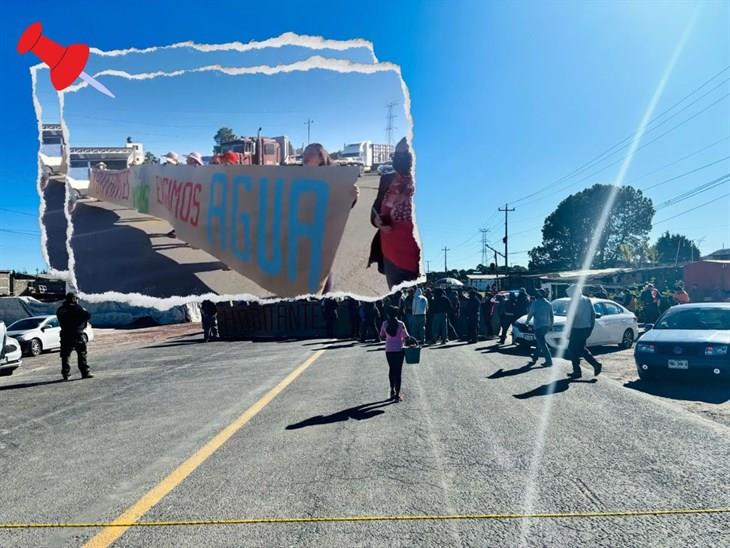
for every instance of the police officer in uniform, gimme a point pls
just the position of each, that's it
(73, 319)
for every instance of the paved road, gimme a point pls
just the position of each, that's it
(119, 249)
(461, 442)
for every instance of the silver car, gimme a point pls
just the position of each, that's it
(41, 333)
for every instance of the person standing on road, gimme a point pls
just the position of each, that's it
(419, 310)
(395, 333)
(330, 314)
(541, 313)
(583, 323)
(473, 306)
(441, 310)
(209, 317)
(73, 319)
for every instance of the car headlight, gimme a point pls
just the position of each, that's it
(646, 347)
(716, 350)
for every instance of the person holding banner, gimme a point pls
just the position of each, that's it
(394, 247)
(315, 155)
(395, 334)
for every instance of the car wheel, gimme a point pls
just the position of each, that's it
(646, 376)
(36, 347)
(627, 341)
(84, 337)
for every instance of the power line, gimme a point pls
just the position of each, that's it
(695, 191)
(623, 142)
(692, 209)
(685, 174)
(18, 212)
(604, 168)
(20, 232)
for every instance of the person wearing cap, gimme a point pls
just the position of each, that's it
(394, 247)
(584, 320)
(194, 159)
(73, 319)
(171, 158)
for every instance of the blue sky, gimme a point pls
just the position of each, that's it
(507, 99)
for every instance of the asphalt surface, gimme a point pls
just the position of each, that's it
(461, 442)
(119, 249)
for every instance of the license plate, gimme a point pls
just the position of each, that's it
(529, 337)
(678, 364)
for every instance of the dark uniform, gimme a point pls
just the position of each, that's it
(73, 319)
(209, 317)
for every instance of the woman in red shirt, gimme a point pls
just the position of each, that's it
(394, 247)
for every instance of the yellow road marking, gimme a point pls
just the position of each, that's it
(115, 529)
(123, 526)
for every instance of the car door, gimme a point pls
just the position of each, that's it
(614, 322)
(51, 334)
(599, 335)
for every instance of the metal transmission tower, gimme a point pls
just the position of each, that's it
(506, 237)
(309, 123)
(389, 128)
(484, 245)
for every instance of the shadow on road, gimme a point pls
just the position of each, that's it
(334, 346)
(500, 373)
(708, 393)
(509, 350)
(552, 388)
(30, 384)
(359, 413)
(447, 345)
(170, 344)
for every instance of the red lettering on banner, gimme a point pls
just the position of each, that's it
(113, 184)
(197, 189)
(181, 199)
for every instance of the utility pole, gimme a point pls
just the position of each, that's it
(389, 126)
(506, 210)
(445, 250)
(309, 123)
(496, 264)
(428, 266)
(484, 245)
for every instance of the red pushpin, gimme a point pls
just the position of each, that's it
(66, 64)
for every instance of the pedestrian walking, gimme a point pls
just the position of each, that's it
(209, 317)
(395, 333)
(584, 321)
(541, 314)
(441, 311)
(353, 307)
(507, 316)
(368, 324)
(73, 319)
(473, 307)
(419, 310)
(452, 320)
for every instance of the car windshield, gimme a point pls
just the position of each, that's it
(560, 308)
(695, 318)
(24, 325)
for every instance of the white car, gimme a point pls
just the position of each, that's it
(41, 333)
(10, 353)
(385, 168)
(614, 325)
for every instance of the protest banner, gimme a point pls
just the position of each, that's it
(280, 226)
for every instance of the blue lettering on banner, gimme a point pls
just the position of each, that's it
(272, 266)
(314, 230)
(218, 211)
(243, 251)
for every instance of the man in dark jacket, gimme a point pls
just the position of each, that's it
(473, 307)
(73, 319)
(330, 314)
(441, 311)
(209, 317)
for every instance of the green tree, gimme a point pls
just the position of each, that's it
(150, 158)
(223, 135)
(675, 248)
(568, 231)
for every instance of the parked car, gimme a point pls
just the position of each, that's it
(10, 353)
(41, 333)
(687, 339)
(385, 168)
(614, 325)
